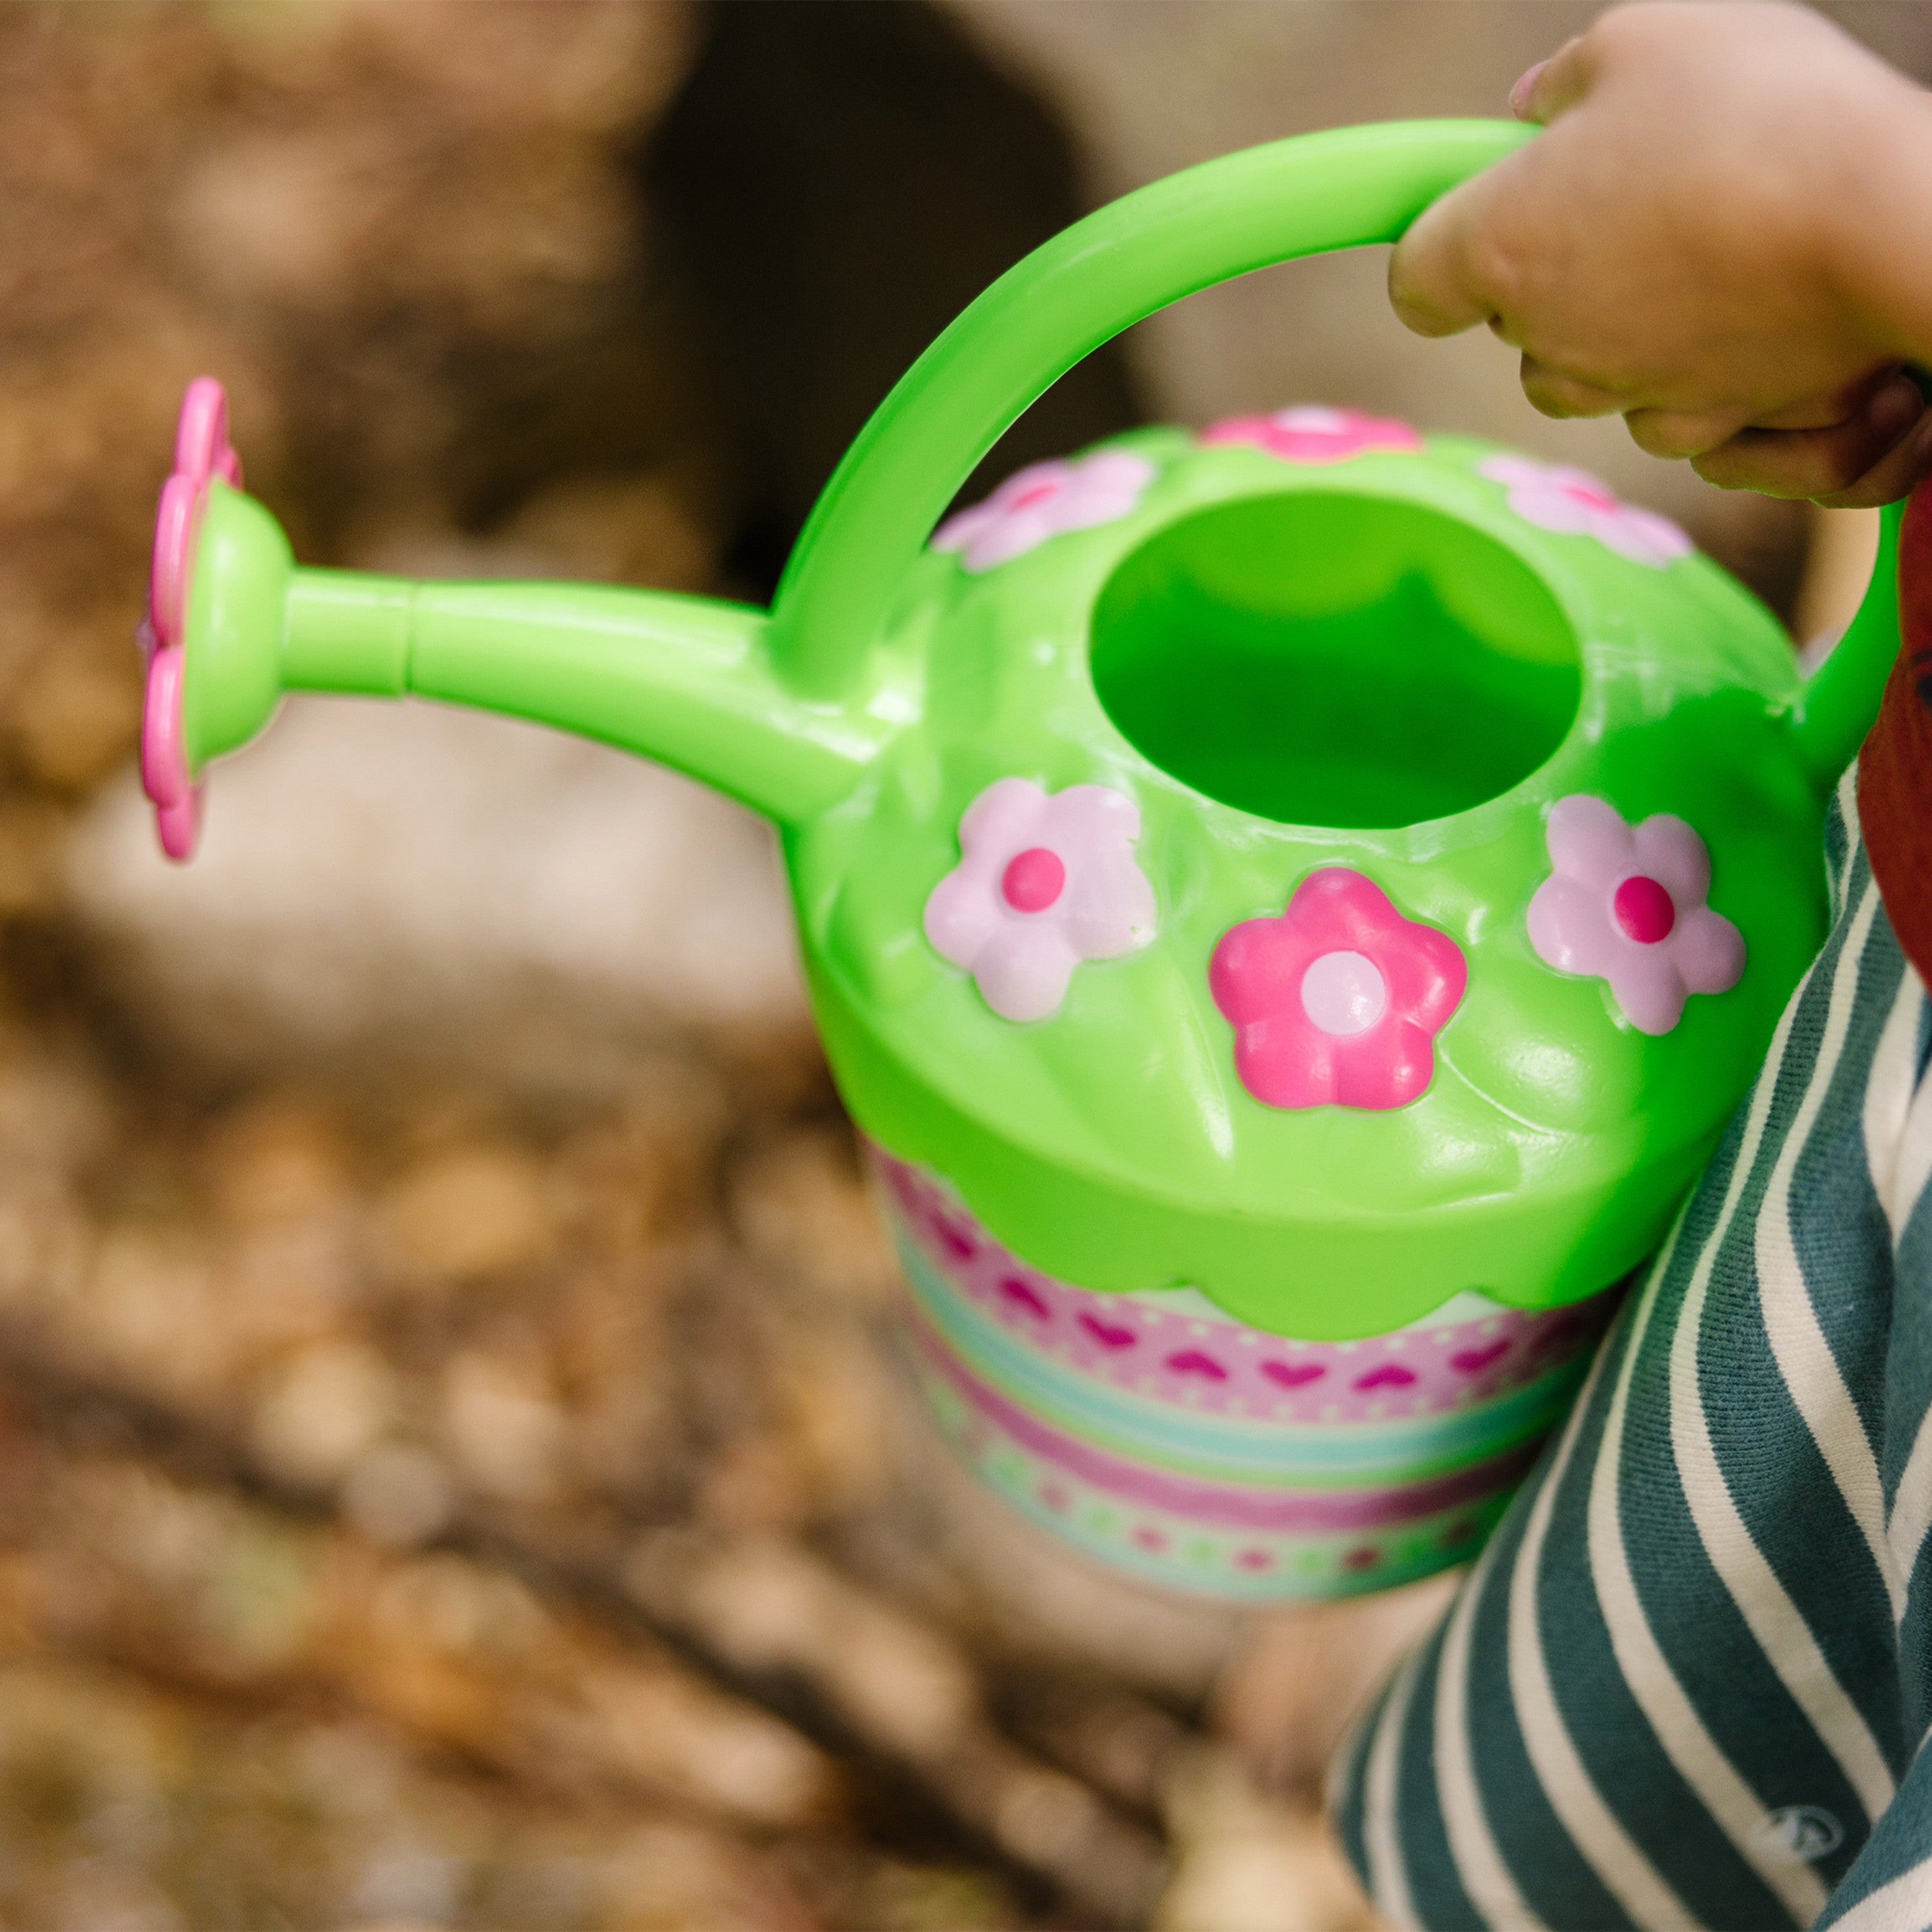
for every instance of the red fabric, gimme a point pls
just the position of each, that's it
(1895, 764)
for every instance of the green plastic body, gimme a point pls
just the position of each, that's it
(1374, 663)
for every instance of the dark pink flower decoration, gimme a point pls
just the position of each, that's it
(201, 454)
(1338, 1002)
(1312, 433)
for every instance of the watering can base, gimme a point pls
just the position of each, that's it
(1158, 1436)
(1172, 1551)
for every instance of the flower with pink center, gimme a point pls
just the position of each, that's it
(1042, 500)
(1573, 502)
(1312, 433)
(1626, 904)
(1043, 882)
(202, 455)
(1338, 1001)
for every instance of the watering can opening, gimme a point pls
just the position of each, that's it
(1326, 658)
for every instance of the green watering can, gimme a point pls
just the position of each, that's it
(1291, 907)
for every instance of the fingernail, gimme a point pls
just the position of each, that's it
(1893, 408)
(1520, 95)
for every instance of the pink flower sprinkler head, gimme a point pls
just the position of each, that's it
(1625, 904)
(1043, 882)
(202, 453)
(1337, 1002)
(1042, 501)
(1312, 433)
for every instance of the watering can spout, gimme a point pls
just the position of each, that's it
(1836, 707)
(686, 680)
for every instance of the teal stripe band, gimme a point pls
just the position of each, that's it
(1316, 1454)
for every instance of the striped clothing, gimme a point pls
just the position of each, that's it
(1690, 1681)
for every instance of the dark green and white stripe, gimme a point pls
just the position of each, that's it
(1690, 1682)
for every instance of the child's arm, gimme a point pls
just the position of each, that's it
(1726, 235)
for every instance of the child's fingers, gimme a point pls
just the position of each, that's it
(1888, 400)
(1674, 434)
(1432, 285)
(1841, 404)
(1435, 285)
(1775, 463)
(1892, 477)
(1822, 464)
(1556, 394)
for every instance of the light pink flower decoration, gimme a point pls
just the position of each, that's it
(1310, 433)
(202, 453)
(1337, 1002)
(1626, 904)
(1042, 500)
(1043, 882)
(1553, 497)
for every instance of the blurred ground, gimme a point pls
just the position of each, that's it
(452, 1473)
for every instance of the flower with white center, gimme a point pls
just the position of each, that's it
(1042, 500)
(1336, 1002)
(1043, 882)
(1626, 904)
(1553, 497)
(1312, 433)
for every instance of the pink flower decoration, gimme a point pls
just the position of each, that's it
(1338, 1002)
(202, 453)
(1626, 904)
(1311, 433)
(1043, 882)
(1040, 502)
(1555, 497)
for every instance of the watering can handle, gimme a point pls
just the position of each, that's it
(1308, 196)
(1840, 700)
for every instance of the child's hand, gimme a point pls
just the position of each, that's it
(1726, 234)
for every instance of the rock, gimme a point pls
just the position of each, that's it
(665, 1728)
(474, 1210)
(1245, 1864)
(326, 1408)
(505, 1430)
(280, 1157)
(1300, 1676)
(801, 1203)
(397, 1495)
(407, 883)
(31, 833)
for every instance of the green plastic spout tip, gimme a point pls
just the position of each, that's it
(243, 571)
